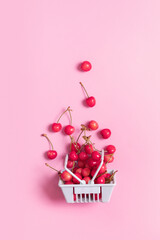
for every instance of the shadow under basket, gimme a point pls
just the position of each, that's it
(88, 193)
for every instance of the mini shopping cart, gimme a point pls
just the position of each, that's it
(87, 193)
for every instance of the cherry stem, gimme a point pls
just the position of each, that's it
(109, 158)
(79, 135)
(111, 177)
(62, 114)
(52, 168)
(69, 110)
(45, 135)
(84, 89)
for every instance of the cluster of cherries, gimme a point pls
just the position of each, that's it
(83, 159)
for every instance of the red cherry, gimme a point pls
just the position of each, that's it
(108, 175)
(93, 171)
(92, 163)
(69, 130)
(86, 172)
(87, 179)
(78, 175)
(100, 180)
(74, 197)
(81, 164)
(79, 170)
(66, 176)
(69, 182)
(83, 156)
(73, 156)
(96, 156)
(91, 101)
(56, 127)
(74, 169)
(88, 148)
(69, 164)
(93, 125)
(86, 66)
(110, 149)
(106, 133)
(108, 158)
(75, 146)
(52, 154)
(102, 169)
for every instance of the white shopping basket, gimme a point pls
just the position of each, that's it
(86, 193)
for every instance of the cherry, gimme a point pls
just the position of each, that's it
(100, 180)
(74, 197)
(87, 179)
(86, 172)
(108, 175)
(69, 182)
(86, 66)
(52, 154)
(88, 148)
(108, 158)
(75, 146)
(110, 149)
(69, 130)
(93, 171)
(56, 127)
(90, 101)
(106, 133)
(83, 156)
(66, 176)
(93, 125)
(79, 176)
(92, 163)
(69, 164)
(73, 156)
(79, 170)
(96, 156)
(81, 164)
(102, 169)
(74, 169)
(100, 196)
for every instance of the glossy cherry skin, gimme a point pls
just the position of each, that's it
(73, 156)
(69, 164)
(93, 125)
(86, 172)
(108, 175)
(75, 180)
(110, 149)
(56, 127)
(100, 180)
(86, 66)
(83, 156)
(91, 101)
(66, 176)
(79, 170)
(102, 169)
(69, 130)
(92, 163)
(88, 148)
(75, 147)
(52, 154)
(106, 133)
(108, 158)
(93, 171)
(96, 156)
(81, 164)
(87, 179)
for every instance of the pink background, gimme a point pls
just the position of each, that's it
(42, 42)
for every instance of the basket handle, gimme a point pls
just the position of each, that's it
(73, 175)
(100, 165)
